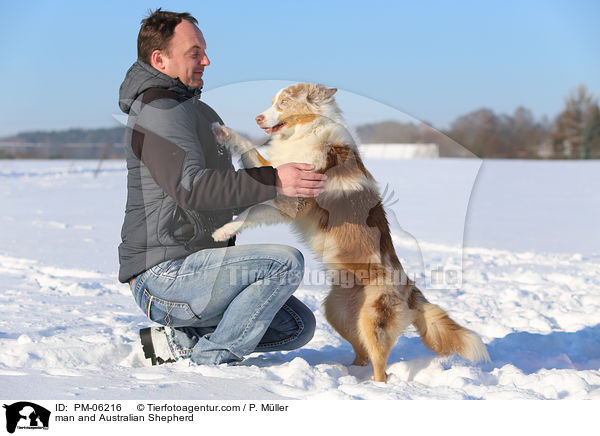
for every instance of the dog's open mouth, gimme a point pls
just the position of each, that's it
(273, 129)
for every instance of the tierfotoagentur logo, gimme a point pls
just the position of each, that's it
(26, 415)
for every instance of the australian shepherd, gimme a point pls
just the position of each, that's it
(346, 228)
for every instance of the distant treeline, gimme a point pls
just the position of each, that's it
(573, 134)
(72, 136)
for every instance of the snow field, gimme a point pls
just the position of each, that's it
(69, 329)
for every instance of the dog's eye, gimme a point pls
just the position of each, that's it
(283, 101)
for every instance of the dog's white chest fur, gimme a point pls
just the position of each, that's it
(306, 149)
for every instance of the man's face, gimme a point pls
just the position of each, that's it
(186, 56)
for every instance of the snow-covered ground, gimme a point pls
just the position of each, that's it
(527, 280)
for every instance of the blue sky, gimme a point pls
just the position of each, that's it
(63, 62)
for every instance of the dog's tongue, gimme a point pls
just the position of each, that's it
(270, 130)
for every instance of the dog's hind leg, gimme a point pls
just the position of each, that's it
(341, 310)
(383, 317)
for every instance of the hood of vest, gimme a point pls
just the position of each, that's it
(140, 77)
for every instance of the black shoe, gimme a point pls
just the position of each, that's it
(160, 354)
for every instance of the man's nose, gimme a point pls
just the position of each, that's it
(259, 119)
(205, 61)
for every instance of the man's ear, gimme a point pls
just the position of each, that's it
(157, 61)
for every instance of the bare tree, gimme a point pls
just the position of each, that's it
(591, 134)
(570, 124)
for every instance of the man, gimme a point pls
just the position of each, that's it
(217, 302)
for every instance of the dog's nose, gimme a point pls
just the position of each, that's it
(259, 119)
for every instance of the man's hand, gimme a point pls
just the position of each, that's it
(295, 180)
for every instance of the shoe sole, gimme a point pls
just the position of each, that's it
(146, 339)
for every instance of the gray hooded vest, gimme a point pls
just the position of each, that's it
(181, 185)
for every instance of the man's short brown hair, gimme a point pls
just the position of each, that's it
(157, 30)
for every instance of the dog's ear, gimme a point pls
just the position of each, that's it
(320, 93)
(330, 91)
(325, 93)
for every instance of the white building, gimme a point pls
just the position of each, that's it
(400, 151)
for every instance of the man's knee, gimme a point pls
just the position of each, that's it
(296, 259)
(296, 265)
(291, 260)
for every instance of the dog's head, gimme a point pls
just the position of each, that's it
(296, 107)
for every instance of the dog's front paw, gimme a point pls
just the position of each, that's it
(225, 232)
(222, 134)
(232, 140)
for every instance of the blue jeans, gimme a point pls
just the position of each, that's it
(225, 303)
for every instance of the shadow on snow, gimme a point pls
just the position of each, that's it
(528, 352)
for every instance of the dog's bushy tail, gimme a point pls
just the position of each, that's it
(441, 334)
